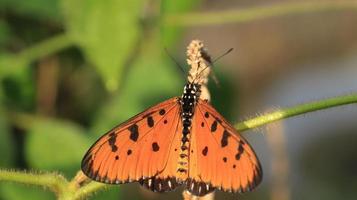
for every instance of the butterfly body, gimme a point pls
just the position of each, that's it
(181, 141)
(187, 101)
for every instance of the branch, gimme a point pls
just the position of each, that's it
(53, 181)
(44, 48)
(89, 189)
(296, 110)
(258, 13)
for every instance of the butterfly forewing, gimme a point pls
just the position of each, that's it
(136, 149)
(221, 158)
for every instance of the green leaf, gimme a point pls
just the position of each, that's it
(6, 143)
(11, 65)
(149, 81)
(15, 191)
(107, 31)
(4, 33)
(19, 89)
(170, 33)
(55, 145)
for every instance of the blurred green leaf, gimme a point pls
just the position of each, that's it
(19, 89)
(149, 81)
(10, 64)
(107, 31)
(4, 33)
(55, 145)
(170, 34)
(6, 143)
(14, 191)
(40, 9)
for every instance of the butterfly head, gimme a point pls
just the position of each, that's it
(191, 92)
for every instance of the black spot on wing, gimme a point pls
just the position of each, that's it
(155, 147)
(240, 148)
(112, 140)
(224, 140)
(238, 156)
(206, 114)
(205, 151)
(214, 126)
(162, 111)
(224, 159)
(150, 121)
(134, 132)
(129, 152)
(240, 151)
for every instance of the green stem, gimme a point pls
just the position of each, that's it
(296, 110)
(251, 14)
(88, 189)
(45, 48)
(53, 181)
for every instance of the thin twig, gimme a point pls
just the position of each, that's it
(258, 13)
(296, 110)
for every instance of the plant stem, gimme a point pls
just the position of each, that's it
(88, 189)
(296, 110)
(258, 13)
(44, 48)
(53, 181)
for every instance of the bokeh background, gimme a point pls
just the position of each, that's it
(72, 69)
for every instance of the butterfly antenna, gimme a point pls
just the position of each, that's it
(213, 74)
(225, 53)
(175, 61)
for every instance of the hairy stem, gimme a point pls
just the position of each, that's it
(258, 13)
(53, 181)
(89, 189)
(296, 110)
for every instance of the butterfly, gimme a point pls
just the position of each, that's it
(181, 141)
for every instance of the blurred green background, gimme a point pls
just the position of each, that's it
(72, 69)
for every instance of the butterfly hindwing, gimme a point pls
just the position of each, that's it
(221, 158)
(138, 149)
(165, 180)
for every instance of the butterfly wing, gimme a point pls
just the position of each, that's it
(220, 157)
(139, 149)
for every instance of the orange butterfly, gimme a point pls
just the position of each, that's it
(181, 141)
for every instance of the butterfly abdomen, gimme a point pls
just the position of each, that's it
(188, 102)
